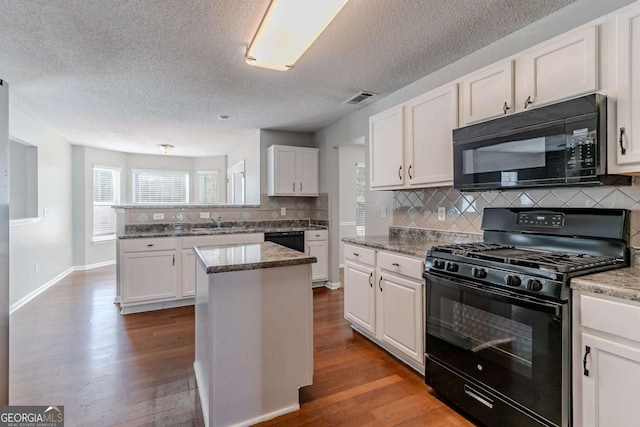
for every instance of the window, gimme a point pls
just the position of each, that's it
(106, 192)
(360, 195)
(209, 187)
(160, 187)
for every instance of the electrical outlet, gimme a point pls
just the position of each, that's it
(205, 215)
(44, 211)
(283, 211)
(36, 268)
(442, 213)
(157, 216)
(383, 212)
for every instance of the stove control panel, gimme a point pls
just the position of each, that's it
(541, 219)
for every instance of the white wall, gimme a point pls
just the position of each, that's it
(349, 156)
(249, 151)
(49, 242)
(356, 124)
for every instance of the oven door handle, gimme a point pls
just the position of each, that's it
(479, 397)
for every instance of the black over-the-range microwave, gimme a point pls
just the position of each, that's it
(558, 145)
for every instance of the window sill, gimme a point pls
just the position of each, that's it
(103, 240)
(24, 221)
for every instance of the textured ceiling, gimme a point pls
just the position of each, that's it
(127, 75)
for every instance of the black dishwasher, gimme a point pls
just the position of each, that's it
(290, 239)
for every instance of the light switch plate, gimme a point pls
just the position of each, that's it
(283, 211)
(383, 212)
(205, 215)
(158, 216)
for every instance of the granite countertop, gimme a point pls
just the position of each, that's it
(249, 256)
(410, 242)
(212, 231)
(620, 283)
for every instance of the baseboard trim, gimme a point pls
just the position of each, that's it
(92, 266)
(31, 295)
(333, 285)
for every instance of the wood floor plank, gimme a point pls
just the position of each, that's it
(71, 346)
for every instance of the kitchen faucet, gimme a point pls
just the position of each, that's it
(217, 221)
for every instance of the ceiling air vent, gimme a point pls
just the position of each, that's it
(359, 98)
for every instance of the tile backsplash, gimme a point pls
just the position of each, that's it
(419, 208)
(313, 208)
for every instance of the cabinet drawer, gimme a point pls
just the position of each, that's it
(191, 241)
(360, 254)
(618, 318)
(399, 264)
(310, 235)
(151, 244)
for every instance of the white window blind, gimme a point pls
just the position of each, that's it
(160, 187)
(209, 187)
(360, 198)
(106, 192)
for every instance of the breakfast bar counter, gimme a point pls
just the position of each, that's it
(254, 331)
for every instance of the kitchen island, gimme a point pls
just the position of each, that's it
(254, 331)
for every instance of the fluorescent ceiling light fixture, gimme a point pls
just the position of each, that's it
(288, 29)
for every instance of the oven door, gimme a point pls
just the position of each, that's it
(533, 156)
(515, 346)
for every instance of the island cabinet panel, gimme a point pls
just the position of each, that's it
(254, 342)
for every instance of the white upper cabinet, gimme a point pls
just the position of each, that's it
(564, 67)
(386, 142)
(488, 93)
(292, 171)
(627, 72)
(411, 144)
(429, 122)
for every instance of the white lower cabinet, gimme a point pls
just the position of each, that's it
(383, 299)
(318, 246)
(149, 270)
(159, 272)
(607, 362)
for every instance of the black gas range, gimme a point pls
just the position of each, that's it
(498, 312)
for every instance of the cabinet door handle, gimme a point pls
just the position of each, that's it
(410, 166)
(587, 350)
(623, 150)
(370, 277)
(300, 186)
(527, 102)
(150, 245)
(356, 254)
(294, 186)
(173, 262)
(395, 264)
(505, 108)
(380, 283)
(400, 172)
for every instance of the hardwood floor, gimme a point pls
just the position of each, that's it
(71, 347)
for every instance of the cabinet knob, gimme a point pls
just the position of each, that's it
(527, 102)
(623, 150)
(505, 108)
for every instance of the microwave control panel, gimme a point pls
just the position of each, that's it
(581, 151)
